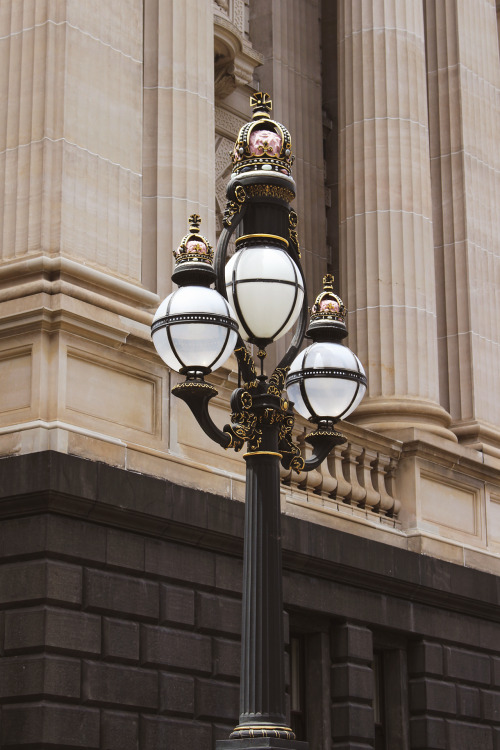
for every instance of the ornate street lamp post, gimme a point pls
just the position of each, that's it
(260, 296)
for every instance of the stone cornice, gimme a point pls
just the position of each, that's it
(34, 277)
(29, 266)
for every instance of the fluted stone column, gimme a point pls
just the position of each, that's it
(31, 127)
(463, 71)
(71, 127)
(387, 253)
(70, 167)
(179, 160)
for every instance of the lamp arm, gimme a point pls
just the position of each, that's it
(234, 212)
(298, 338)
(323, 440)
(197, 394)
(320, 452)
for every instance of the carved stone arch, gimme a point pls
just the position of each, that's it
(234, 57)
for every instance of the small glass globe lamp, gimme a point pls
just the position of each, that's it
(194, 329)
(326, 381)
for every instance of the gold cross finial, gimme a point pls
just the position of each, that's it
(194, 222)
(328, 280)
(261, 104)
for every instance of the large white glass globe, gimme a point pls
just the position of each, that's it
(264, 286)
(194, 328)
(326, 380)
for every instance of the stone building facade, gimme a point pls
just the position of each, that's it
(121, 524)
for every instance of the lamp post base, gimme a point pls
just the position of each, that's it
(261, 743)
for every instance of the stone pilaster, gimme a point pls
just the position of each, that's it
(463, 81)
(387, 254)
(352, 688)
(179, 162)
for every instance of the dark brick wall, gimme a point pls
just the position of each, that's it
(454, 697)
(96, 654)
(120, 621)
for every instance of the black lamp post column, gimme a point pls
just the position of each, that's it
(262, 721)
(262, 689)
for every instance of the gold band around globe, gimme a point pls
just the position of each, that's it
(267, 236)
(262, 453)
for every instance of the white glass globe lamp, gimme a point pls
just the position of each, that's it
(194, 329)
(265, 288)
(326, 381)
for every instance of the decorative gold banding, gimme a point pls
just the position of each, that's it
(251, 732)
(267, 236)
(262, 453)
(270, 191)
(267, 727)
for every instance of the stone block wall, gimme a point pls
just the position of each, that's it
(114, 640)
(454, 697)
(120, 622)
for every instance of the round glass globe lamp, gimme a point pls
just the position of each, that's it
(194, 330)
(265, 288)
(326, 381)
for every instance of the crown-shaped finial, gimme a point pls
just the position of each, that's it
(262, 104)
(263, 145)
(194, 248)
(328, 313)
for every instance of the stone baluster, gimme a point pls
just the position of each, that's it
(335, 467)
(390, 483)
(357, 493)
(313, 480)
(364, 472)
(379, 466)
(330, 482)
(285, 475)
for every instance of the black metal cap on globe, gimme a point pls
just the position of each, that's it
(328, 315)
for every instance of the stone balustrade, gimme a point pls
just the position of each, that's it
(357, 478)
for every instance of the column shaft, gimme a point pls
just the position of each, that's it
(463, 72)
(387, 255)
(179, 158)
(262, 688)
(291, 74)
